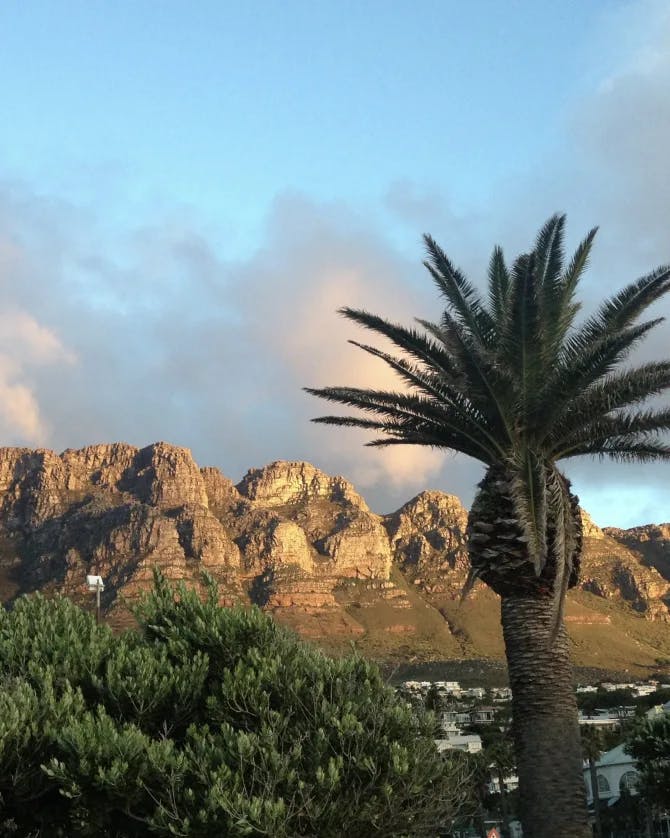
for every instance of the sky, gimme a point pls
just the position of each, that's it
(188, 192)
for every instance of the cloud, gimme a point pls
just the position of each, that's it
(167, 339)
(25, 347)
(154, 332)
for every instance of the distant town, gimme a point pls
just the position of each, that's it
(476, 720)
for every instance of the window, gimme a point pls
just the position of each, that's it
(628, 781)
(603, 786)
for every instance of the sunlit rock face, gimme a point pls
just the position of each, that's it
(651, 543)
(615, 568)
(311, 537)
(288, 537)
(285, 483)
(591, 529)
(113, 509)
(347, 539)
(428, 541)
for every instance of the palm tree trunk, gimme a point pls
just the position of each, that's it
(544, 722)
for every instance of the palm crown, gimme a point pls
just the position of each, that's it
(512, 381)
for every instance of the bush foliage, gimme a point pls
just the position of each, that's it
(649, 744)
(207, 721)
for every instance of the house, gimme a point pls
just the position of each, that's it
(615, 770)
(643, 689)
(482, 715)
(610, 688)
(416, 686)
(502, 693)
(471, 743)
(449, 687)
(454, 718)
(511, 782)
(601, 722)
(475, 692)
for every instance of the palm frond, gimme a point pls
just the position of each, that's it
(616, 391)
(549, 258)
(558, 304)
(412, 411)
(415, 344)
(488, 386)
(583, 363)
(564, 541)
(529, 495)
(621, 427)
(499, 284)
(577, 266)
(443, 393)
(461, 296)
(624, 452)
(521, 341)
(623, 309)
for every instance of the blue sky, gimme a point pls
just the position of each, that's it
(189, 191)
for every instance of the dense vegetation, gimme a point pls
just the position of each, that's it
(649, 744)
(207, 721)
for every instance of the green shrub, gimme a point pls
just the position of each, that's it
(205, 722)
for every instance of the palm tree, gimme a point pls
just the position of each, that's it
(514, 382)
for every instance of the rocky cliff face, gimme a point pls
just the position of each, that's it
(651, 543)
(428, 541)
(288, 537)
(615, 569)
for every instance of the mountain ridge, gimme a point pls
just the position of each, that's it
(304, 546)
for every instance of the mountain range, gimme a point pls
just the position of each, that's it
(304, 546)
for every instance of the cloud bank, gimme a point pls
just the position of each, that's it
(153, 332)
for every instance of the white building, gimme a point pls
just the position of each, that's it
(472, 743)
(449, 687)
(416, 686)
(501, 693)
(601, 722)
(475, 692)
(454, 718)
(609, 687)
(615, 770)
(643, 689)
(510, 781)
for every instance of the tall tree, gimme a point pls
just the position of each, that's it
(513, 381)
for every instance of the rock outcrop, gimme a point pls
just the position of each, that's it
(614, 571)
(651, 543)
(288, 537)
(428, 541)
